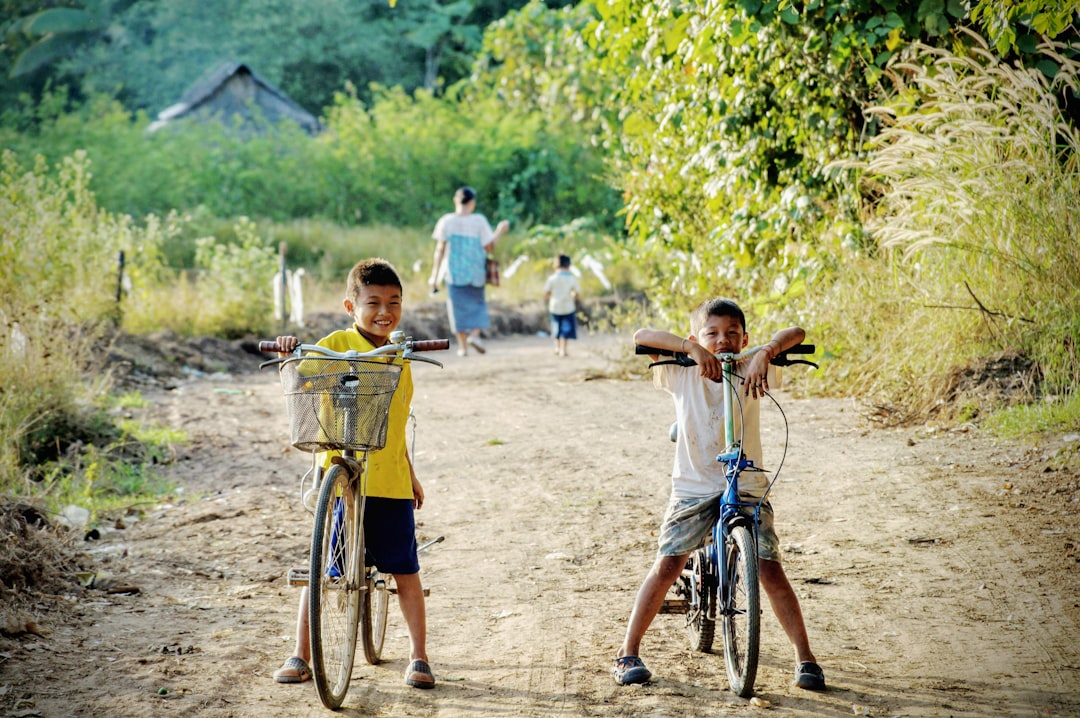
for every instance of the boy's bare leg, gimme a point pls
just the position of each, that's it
(411, 600)
(785, 604)
(650, 597)
(290, 673)
(462, 338)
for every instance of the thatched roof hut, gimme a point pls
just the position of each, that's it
(235, 90)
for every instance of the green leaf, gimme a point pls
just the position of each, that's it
(1026, 43)
(60, 20)
(790, 16)
(928, 8)
(1048, 68)
(42, 53)
(638, 124)
(956, 8)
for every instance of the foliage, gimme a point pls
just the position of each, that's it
(975, 230)
(397, 162)
(151, 53)
(57, 304)
(1010, 23)
(59, 31)
(537, 60)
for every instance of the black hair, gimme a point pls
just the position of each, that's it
(467, 194)
(564, 261)
(716, 308)
(368, 272)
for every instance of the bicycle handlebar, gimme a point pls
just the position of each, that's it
(683, 359)
(406, 347)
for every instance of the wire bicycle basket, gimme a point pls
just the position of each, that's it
(338, 404)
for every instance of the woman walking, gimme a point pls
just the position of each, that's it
(463, 239)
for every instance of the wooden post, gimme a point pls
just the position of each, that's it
(119, 311)
(284, 285)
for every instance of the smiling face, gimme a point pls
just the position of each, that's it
(376, 309)
(722, 334)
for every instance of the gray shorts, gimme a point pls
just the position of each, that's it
(688, 524)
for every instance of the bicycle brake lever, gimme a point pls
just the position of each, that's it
(679, 359)
(416, 357)
(788, 362)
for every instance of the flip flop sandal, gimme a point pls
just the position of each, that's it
(293, 670)
(423, 669)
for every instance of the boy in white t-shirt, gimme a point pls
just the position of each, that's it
(561, 291)
(717, 326)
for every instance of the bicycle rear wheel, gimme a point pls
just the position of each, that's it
(335, 585)
(700, 591)
(741, 610)
(374, 608)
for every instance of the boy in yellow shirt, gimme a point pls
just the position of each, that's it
(373, 298)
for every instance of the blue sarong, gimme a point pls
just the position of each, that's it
(467, 308)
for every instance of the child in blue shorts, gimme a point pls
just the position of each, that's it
(373, 298)
(561, 291)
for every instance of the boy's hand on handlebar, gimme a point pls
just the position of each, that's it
(756, 381)
(711, 367)
(286, 344)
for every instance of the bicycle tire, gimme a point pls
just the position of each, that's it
(335, 586)
(741, 612)
(374, 609)
(701, 597)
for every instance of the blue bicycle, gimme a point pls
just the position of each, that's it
(720, 580)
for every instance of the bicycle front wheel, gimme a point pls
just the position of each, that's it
(741, 610)
(700, 599)
(374, 609)
(335, 584)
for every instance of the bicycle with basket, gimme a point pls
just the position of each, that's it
(340, 401)
(720, 580)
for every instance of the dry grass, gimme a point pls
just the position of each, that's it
(976, 231)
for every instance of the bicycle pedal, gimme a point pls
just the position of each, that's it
(675, 605)
(298, 576)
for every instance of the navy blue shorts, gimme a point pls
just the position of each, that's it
(564, 326)
(390, 535)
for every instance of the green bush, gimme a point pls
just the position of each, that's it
(58, 293)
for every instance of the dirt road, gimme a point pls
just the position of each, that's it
(938, 571)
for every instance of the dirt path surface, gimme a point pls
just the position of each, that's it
(938, 571)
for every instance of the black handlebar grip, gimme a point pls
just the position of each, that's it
(642, 349)
(431, 345)
(266, 346)
(801, 349)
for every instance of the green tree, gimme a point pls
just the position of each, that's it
(60, 31)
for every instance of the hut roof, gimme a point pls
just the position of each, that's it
(234, 89)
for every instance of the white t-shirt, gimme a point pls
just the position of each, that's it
(562, 285)
(699, 410)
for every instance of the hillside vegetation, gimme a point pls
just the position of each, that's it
(876, 172)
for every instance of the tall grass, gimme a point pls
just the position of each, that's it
(59, 255)
(976, 229)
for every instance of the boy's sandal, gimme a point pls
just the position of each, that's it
(810, 676)
(630, 669)
(419, 675)
(293, 670)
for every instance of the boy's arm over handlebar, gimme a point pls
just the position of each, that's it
(672, 344)
(756, 381)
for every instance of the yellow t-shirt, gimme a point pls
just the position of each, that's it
(388, 472)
